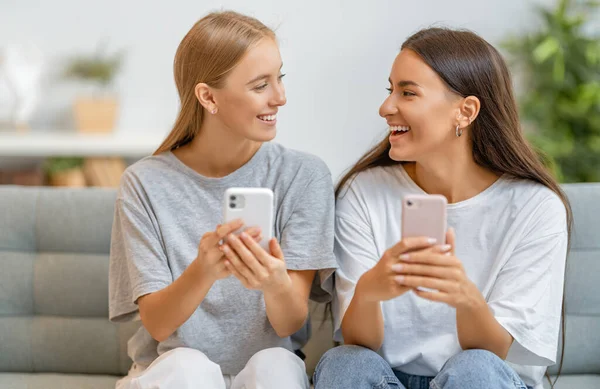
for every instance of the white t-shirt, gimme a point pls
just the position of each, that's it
(512, 240)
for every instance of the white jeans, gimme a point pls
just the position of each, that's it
(186, 368)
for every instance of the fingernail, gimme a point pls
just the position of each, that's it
(231, 237)
(224, 249)
(445, 247)
(397, 267)
(244, 235)
(399, 279)
(404, 257)
(431, 240)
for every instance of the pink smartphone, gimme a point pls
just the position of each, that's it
(424, 215)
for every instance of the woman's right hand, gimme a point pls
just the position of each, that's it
(379, 283)
(210, 259)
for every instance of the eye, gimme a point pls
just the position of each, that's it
(281, 77)
(389, 90)
(261, 87)
(408, 93)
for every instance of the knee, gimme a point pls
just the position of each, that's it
(185, 360)
(180, 368)
(276, 356)
(469, 365)
(477, 359)
(346, 358)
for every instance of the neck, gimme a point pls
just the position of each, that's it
(456, 176)
(216, 151)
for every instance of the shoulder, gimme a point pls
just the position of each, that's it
(146, 172)
(542, 208)
(369, 191)
(373, 182)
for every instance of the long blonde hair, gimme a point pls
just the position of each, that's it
(207, 53)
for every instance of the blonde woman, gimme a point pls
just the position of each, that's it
(213, 315)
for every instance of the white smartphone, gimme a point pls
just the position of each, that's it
(424, 215)
(254, 206)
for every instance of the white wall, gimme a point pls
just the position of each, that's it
(337, 55)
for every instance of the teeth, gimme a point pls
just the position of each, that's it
(268, 118)
(399, 128)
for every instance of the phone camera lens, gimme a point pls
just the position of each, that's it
(232, 198)
(409, 203)
(232, 205)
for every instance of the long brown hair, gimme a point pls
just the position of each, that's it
(208, 52)
(470, 66)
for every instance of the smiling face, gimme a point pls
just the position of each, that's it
(252, 94)
(421, 111)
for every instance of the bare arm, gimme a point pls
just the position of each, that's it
(478, 329)
(287, 308)
(164, 311)
(363, 321)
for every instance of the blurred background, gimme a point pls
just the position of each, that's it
(86, 88)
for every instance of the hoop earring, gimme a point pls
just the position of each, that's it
(459, 131)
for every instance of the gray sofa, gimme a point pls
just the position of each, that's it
(54, 331)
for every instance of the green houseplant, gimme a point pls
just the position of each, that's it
(100, 68)
(96, 111)
(560, 102)
(65, 171)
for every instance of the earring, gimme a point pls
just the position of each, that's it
(214, 111)
(459, 130)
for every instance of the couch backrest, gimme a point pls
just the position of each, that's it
(582, 297)
(54, 246)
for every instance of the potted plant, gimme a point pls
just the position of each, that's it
(559, 65)
(96, 111)
(65, 171)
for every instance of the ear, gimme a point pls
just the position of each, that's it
(468, 111)
(205, 96)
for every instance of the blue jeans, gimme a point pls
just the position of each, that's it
(361, 368)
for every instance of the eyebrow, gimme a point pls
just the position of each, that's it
(263, 76)
(404, 83)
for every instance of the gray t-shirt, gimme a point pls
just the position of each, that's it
(162, 210)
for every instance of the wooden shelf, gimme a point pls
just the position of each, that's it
(49, 144)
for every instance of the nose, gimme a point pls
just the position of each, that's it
(388, 107)
(279, 98)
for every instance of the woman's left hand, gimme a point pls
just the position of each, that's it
(440, 271)
(253, 266)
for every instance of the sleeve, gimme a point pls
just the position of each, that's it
(307, 236)
(356, 252)
(138, 264)
(527, 296)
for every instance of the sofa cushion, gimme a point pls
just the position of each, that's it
(63, 381)
(577, 381)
